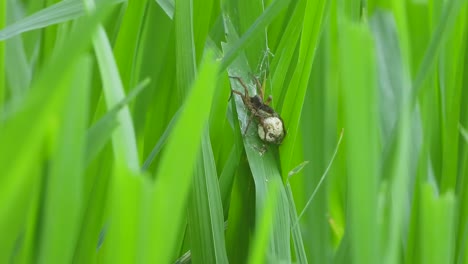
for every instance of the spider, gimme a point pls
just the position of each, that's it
(270, 125)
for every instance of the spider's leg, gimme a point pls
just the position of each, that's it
(268, 100)
(259, 87)
(248, 123)
(243, 85)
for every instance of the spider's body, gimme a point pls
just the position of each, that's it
(270, 125)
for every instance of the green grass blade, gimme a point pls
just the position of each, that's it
(226, 179)
(263, 164)
(295, 229)
(60, 12)
(161, 142)
(63, 206)
(129, 194)
(185, 48)
(449, 15)
(359, 94)
(453, 61)
(167, 6)
(265, 224)
(123, 139)
(174, 180)
(285, 51)
(205, 212)
(257, 28)
(437, 227)
(294, 99)
(394, 94)
(25, 128)
(241, 215)
(101, 131)
(126, 45)
(202, 12)
(3, 20)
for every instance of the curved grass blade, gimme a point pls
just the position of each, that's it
(123, 139)
(60, 12)
(161, 142)
(257, 27)
(101, 131)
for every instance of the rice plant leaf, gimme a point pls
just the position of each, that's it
(394, 84)
(60, 12)
(126, 44)
(295, 228)
(265, 224)
(295, 94)
(262, 163)
(63, 206)
(257, 27)
(101, 131)
(450, 13)
(226, 179)
(436, 226)
(205, 213)
(185, 48)
(173, 180)
(3, 20)
(464, 133)
(129, 194)
(287, 45)
(24, 130)
(123, 139)
(241, 216)
(167, 6)
(161, 142)
(359, 95)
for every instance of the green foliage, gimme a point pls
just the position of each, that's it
(121, 142)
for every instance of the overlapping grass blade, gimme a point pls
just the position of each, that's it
(265, 224)
(18, 73)
(101, 131)
(167, 6)
(284, 54)
(241, 217)
(167, 218)
(394, 83)
(295, 229)
(436, 226)
(359, 95)
(63, 207)
(25, 128)
(295, 94)
(126, 231)
(264, 166)
(451, 74)
(257, 27)
(3, 20)
(185, 48)
(157, 148)
(126, 44)
(123, 140)
(58, 13)
(205, 212)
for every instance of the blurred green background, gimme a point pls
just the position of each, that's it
(119, 142)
